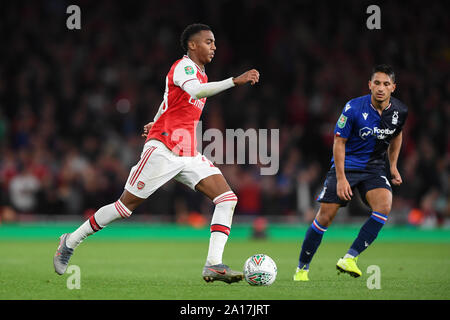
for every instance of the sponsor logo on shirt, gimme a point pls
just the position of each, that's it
(200, 103)
(366, 132)
(382, 133)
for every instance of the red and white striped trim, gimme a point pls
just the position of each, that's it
(122, 210)
(318, 227)
(94, 225)
(227, 196)
(141, 164)
(379, 216)
(220, 228)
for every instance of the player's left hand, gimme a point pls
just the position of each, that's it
(147, 128)
(396, 177)
(250, 76)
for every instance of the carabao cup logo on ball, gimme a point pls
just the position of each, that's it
(260, 270)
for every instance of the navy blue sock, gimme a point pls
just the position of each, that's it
(310, 244)
(368, 233)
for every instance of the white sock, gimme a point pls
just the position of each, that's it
(104, 216)
(220, 226)
(348, 256)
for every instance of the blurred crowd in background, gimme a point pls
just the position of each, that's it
(73, 102)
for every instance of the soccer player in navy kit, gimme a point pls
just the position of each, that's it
(367, 142)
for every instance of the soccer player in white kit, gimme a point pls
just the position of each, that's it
(170, 153)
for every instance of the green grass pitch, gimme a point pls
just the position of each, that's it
(164, 269)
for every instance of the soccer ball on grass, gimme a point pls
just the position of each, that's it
(260, 270)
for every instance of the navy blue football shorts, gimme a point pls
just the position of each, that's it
(362, 180)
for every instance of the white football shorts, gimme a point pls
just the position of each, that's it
(158, 165)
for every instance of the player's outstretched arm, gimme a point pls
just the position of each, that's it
(344, 191)
(199, 90)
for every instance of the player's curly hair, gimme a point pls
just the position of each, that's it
(385, 68)
(189, 31)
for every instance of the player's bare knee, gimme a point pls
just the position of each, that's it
(130, 201)
(324, 218)
(326, 213)
(384, 208)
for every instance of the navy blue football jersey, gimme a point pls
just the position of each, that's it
(368, 133)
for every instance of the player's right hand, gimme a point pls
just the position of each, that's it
(147, 128)
(251, 76)
(344, 191)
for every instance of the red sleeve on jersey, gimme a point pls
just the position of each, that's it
(176, 126)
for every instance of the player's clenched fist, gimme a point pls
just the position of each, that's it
(251, 76)
(396, 177)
